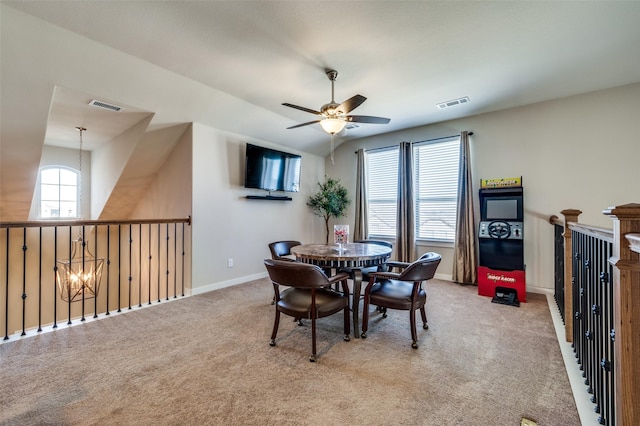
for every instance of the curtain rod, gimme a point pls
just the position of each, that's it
(427, 140)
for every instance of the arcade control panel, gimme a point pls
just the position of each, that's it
(501, 229)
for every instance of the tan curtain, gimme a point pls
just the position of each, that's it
(465, 259)
(360, 230)
(405, 233)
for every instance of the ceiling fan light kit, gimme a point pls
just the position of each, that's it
(333, 116)
(333, 125)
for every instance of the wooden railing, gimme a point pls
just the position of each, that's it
(599, 297)
(143, 261)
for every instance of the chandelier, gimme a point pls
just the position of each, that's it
(79, 276)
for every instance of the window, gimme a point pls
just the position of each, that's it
(58, 192)
(436, 165)
(435, 171)
(382, 191)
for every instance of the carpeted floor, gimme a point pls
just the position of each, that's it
(206, 360)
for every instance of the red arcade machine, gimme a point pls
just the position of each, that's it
(501, 270)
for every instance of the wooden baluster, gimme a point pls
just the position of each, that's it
(626, 282)
(570, 215)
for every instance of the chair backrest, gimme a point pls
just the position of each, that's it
(282, 248)
(295, 274)
(378, 242)
(429, 255)
(422, 269)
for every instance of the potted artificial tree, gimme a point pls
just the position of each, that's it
(330, 201)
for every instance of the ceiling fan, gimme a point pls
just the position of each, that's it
(334, 116)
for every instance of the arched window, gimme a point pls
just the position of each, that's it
(59, 192)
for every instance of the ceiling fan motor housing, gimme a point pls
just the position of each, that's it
(330, 110)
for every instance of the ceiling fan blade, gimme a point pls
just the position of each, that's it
(367, 119)
(351, 104)
(304, 124)
(303, 109)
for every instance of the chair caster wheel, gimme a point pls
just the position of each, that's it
(425, 326)
(300, 323)
(384, 315)
(414, 345)
(346, 338)
(312, 358)
(272, 342)
(363, 335)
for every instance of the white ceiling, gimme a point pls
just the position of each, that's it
(403, 56)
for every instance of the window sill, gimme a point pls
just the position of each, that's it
(419, 242)
(434, 243)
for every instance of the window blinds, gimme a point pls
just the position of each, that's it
(436, 165)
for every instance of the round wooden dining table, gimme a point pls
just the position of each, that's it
(353, 256)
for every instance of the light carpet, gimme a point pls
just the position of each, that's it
(206, 360)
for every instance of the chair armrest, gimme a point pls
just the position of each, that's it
(397, 264)
(382, 274)
(287, 257)
(338, 277)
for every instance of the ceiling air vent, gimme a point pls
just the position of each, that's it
(454, 102)
(104, 105)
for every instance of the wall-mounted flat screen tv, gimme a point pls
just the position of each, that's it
(271, 170)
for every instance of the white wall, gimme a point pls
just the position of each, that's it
(579, 152)
(226, 225)
(169, 193)
(109, 161)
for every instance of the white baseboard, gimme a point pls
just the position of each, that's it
(540, 290)
(443, 277)
(228, 283)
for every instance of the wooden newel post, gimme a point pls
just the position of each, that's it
(570, 215)
(626, 299)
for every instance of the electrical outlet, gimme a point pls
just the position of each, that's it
(230, 262)
(527, 422)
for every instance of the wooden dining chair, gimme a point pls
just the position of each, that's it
(281, 250)
(401, 290)
(309, 295)
(396, 264)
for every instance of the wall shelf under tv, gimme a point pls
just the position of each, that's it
(269, 197)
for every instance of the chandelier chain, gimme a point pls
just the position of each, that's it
(80, 129)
